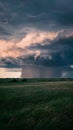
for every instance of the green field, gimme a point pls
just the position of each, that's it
(36, 105)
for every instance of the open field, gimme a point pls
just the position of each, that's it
(36, 105)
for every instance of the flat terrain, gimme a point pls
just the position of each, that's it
(36, 105)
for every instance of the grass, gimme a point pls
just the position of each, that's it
(36, 104)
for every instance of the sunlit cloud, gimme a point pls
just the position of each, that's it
(5, 47)
(16, 49)
(36, 37)
(21, 47)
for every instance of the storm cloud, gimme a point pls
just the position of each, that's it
(42, 29)
(42, 14)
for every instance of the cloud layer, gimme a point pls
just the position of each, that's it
(36, 28)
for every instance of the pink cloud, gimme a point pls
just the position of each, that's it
(16, 48)
(36, 37)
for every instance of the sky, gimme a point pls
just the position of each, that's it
(36, 31)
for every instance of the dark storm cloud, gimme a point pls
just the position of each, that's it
(42, 14)
(4, 31)
(47, 15)
(10, 62)
(59, 52)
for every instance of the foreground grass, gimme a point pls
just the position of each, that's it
(36, 105)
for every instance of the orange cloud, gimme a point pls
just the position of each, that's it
(5, 47)
(36, 37)
(16, 49)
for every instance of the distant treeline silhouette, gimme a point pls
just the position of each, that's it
(16, 80)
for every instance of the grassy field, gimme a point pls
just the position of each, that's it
(36, 105)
